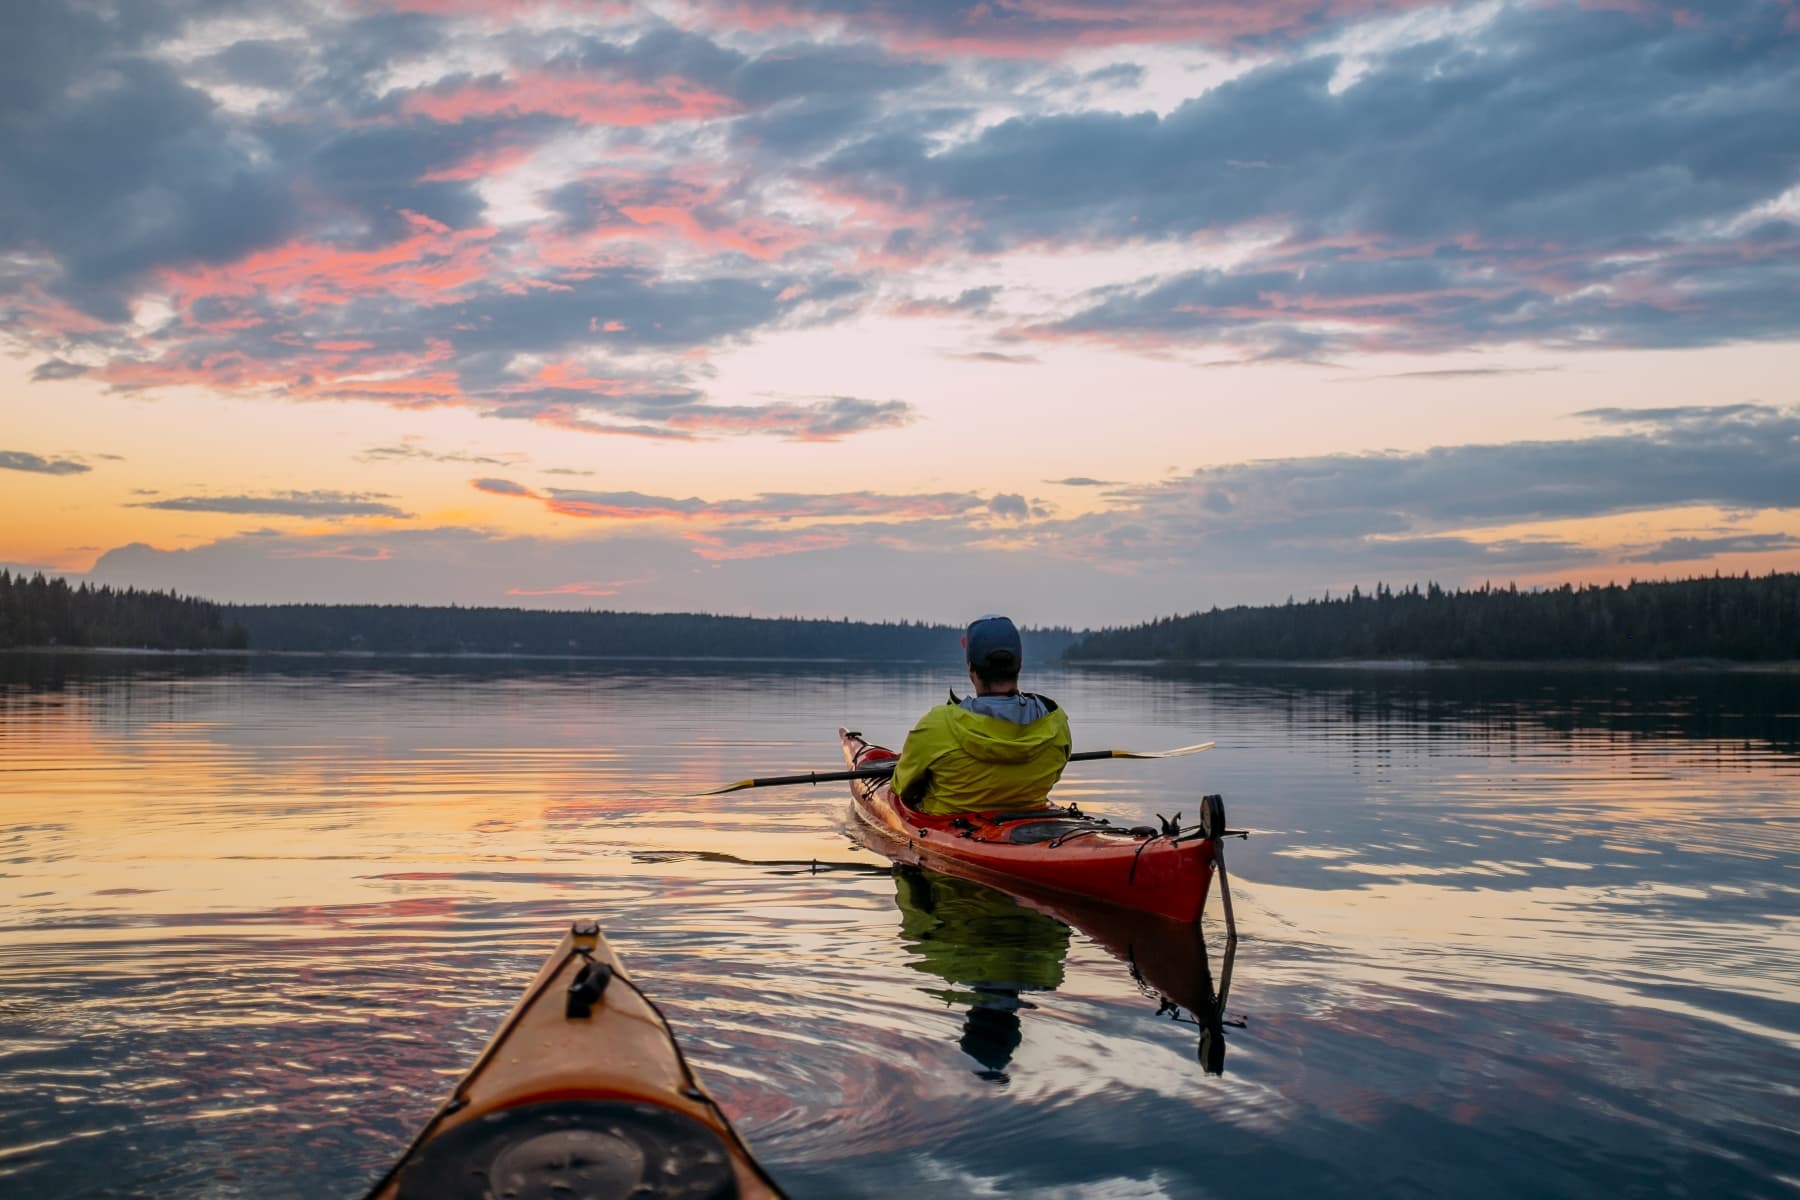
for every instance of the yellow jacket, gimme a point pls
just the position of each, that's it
(955, 760)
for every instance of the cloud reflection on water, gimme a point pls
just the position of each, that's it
(1497, 928)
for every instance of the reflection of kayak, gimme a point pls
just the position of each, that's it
(1167, 958)
(1001, 945)
(1056, 848)
(582, 1092)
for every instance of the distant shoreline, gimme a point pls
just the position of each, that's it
(1693, 665)
(457, 655)
(1394, 665)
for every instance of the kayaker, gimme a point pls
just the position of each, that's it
(997, 749)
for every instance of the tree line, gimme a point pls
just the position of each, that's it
(1736, 618)
(42, 611)
(419, 629)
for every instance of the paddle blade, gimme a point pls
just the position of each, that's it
(739, 786)
(879, 771)
(1178, 752)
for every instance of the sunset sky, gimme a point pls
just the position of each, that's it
(1088, 312)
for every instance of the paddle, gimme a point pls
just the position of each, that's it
(887, 768)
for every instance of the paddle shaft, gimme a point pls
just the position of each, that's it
(887, 768)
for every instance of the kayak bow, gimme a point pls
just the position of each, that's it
(581, 1093)
(1166, 873)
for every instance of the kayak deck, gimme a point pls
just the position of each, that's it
(1165, 873)
(582, 1092)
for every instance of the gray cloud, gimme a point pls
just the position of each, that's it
(1404, 510)
(827, 419)
(1432, 140)
(1082, 481)
(378, 171)
(827, 73)
(969, 300)
(56, 369)
(1694, 415)
(1750, 460)
(995, 356)
(979, 26)
(1442, 199)
(256, 62)
(776, 507)
(582, 502)
(500, 487)
(1011, 505)
(128, 168)
(1699, 549)
(472, 567)
(681, 415)
(1459, 373)
(420, 454)
(285, 504)
(20, 460)
(122, 165)
(1240, 533)
(650, 313)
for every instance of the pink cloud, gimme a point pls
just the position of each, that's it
(47, 317)
(780, 508)
(348, 553)
(575, 420)
(591, 101)
(584, 588)
(927, 308)
(423, 268)
(759, 238)
(593, 509)
(418, 391)
(480, 165)
(795, 422)
(302, 376)
(715, 550)
(224, 370)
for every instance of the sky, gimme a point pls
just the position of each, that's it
(1084, 311)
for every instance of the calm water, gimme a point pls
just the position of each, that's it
(1501, 934)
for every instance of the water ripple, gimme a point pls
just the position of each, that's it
(1503, 935)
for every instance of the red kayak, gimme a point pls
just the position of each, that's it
(1062, 849)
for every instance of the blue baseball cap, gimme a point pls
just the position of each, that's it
(991, 644)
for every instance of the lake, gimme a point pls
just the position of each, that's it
(1502, 933)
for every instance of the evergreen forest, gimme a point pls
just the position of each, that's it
(1732, 618)
(414, 629)
(50, 612)
(1736, 618)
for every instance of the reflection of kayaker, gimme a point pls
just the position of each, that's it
(991, 950)
(582, 1092)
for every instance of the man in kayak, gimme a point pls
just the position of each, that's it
(997, 749)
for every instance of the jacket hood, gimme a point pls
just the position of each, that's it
(995, 740)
